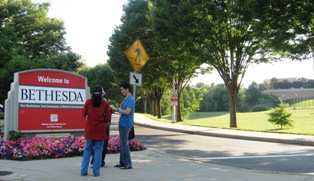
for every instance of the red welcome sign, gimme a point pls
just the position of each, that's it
(52, 78)
(50, 100)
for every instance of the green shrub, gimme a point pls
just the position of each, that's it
(14, 136)
(280, 116)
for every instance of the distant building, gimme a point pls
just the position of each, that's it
(290, 79)
(287, 94)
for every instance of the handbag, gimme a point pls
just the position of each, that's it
(108, 128)
(131, 133)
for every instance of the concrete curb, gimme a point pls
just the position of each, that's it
(225, 135)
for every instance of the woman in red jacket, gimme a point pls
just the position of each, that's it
(97, 112)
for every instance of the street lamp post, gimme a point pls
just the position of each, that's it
(294, 100)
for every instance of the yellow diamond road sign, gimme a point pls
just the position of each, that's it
(137, 55)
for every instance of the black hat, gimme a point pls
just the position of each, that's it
(99, 90)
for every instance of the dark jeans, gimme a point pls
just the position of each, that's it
(125, 156)
(104, 152)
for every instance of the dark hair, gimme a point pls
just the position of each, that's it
(126, 85)
(97, 96)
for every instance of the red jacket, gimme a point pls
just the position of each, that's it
(97, 117)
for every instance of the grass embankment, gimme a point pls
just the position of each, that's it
(303, 121)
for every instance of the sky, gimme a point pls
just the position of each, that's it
(90, 23)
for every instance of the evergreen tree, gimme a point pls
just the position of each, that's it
(280, 116)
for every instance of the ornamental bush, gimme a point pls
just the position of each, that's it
(280, 116)
(48, 148)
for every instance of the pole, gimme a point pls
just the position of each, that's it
(313, 62)
(173, 107)
(174, 114)
(134, 94)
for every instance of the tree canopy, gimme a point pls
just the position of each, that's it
(29, 39)
(232, 35)
(228, 35)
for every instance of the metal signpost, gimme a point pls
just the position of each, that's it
(174, 104)
(174, 100)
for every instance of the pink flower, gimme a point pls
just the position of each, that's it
(45, 148)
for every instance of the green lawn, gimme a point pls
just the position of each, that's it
(254, 121)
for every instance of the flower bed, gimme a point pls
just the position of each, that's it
(49, 148)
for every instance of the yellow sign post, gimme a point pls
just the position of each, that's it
(137, 55)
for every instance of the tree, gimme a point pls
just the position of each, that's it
(177, 58)
(205, 104)
(229, 35)
(297, 84)
(286, 84)
(280, 116)
(166, 103)
(103, 76)
(242, 106)
(253, 94)
(309, 84)
(30, 40)
(232, 35)
(289, 26)
(215, 99)
(226, 33)
(189, 102)
(256, 100)
(136, 24)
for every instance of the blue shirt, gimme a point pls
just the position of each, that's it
(127, 120)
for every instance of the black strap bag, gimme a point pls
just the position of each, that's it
(131, 133)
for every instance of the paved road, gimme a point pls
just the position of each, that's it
(244, 154)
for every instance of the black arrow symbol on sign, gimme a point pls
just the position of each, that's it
(136, 80)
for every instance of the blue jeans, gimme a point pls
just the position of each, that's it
(125, 156)
(96, 146)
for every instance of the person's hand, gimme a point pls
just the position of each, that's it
(112, 107)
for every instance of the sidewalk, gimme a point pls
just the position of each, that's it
(142, 120)
(148, 165)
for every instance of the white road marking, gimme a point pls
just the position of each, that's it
(237, 148)
(248, 157)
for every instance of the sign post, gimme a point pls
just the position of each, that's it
(174, 100)
(137, 57)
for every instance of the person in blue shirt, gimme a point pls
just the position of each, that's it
(125, 124)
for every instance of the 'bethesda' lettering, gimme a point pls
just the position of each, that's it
(51, 95)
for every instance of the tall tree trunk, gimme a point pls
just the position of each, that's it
(232, 94)
(152, 108)
(144, 98)
(179, 116)
(155, 107)
(233, 112)
(159, 114)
